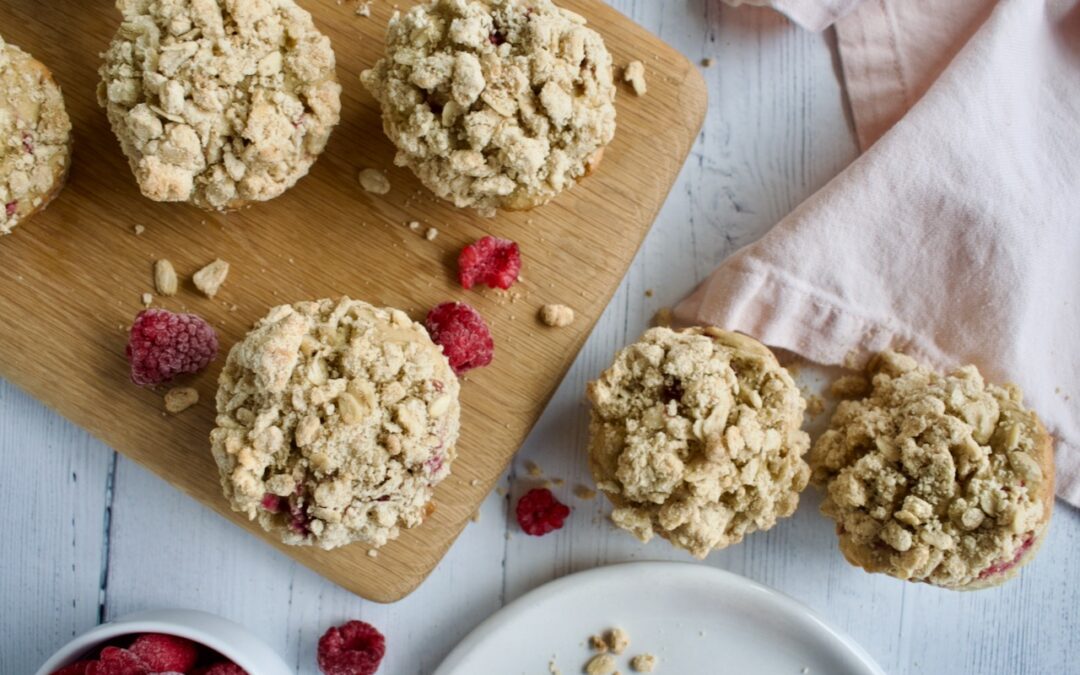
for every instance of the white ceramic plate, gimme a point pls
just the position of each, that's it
(696, 619)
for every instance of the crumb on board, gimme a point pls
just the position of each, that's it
(363, 8)
(210, 278)
(600, 664)
(165, 277)
(374, 181)
(431, 234)
(643, 663)
(534, 469)
(648, 292)
(179, 399)
(708, 62)
(372, 553)
(634, 73)
(139, 229)
(617, 640)
(557, 316)
(597, 643)
(147, 299)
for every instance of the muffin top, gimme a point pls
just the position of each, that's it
(335, 420)
(219, 102)
(495, 103)
(695, 436)
(35, 136)
(936, 478)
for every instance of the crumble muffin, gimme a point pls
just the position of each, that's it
(495, 103)
(35, 137)
(335, 421)
(936, 478)
(219, 102)
(695, 436)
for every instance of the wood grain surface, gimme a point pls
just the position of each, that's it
(71, 278)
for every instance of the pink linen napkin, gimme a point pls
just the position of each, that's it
(956, 236)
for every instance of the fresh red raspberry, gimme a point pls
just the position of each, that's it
(11, 207)
(116, 661)
(1006, 565)
(354, 648)
(77, 668)
(223, 668)
(463, 335)
(491, 261)
(539, 512)
(165, 653)
(163, 345)
(272, 503)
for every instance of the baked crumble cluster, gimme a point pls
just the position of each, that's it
(219, 102)
(495, 103)
(937, 478)
(35, 137)
(335, 421)
(695, 436)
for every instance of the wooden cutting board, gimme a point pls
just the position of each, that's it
(71, 278)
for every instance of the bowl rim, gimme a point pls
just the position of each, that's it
(239, 644)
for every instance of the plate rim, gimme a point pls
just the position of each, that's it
(792, 607)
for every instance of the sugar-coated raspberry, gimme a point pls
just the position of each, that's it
(539, 512)
(355, 648)
(116, 661)
(491, 261)
(461, 332)
(223, 668)
(163, 345)
(165, 653)
(77, 668)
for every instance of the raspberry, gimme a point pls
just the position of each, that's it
(165, 653)
(272, 503)
(463, 335)
(116, 661)
(223, 668)
(491, 261)
(11, 207)
(78, 668)
(163, 345)
(355, 648)
(538, 512)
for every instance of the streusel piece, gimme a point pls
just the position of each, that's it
(695, 436)
(35, 137)
(335, 421)
(219, 102)
(495, 103)
(936, 478)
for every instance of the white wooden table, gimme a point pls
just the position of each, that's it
(88, 535)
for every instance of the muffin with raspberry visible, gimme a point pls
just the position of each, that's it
(335, 421)
(220, 103)
(495, 104)
(35, 137)
(696, 437)
(942, 479)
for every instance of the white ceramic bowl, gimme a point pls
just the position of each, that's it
(229, 639)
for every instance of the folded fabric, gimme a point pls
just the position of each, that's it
(956, 236)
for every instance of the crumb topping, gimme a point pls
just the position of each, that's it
(219, 102)
(696, 436)
(35, 137)
(557, 316)
(935, 478)
(495, 103)
(335, 420)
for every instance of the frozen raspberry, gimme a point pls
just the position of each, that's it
(116, 661)
(223, 668)
(163, 345)
(78, 668)
(538, 512)
(491, 261)
(165, 653)
(463, 335)
(355, 648)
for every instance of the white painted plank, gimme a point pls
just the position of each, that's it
(52, 515)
